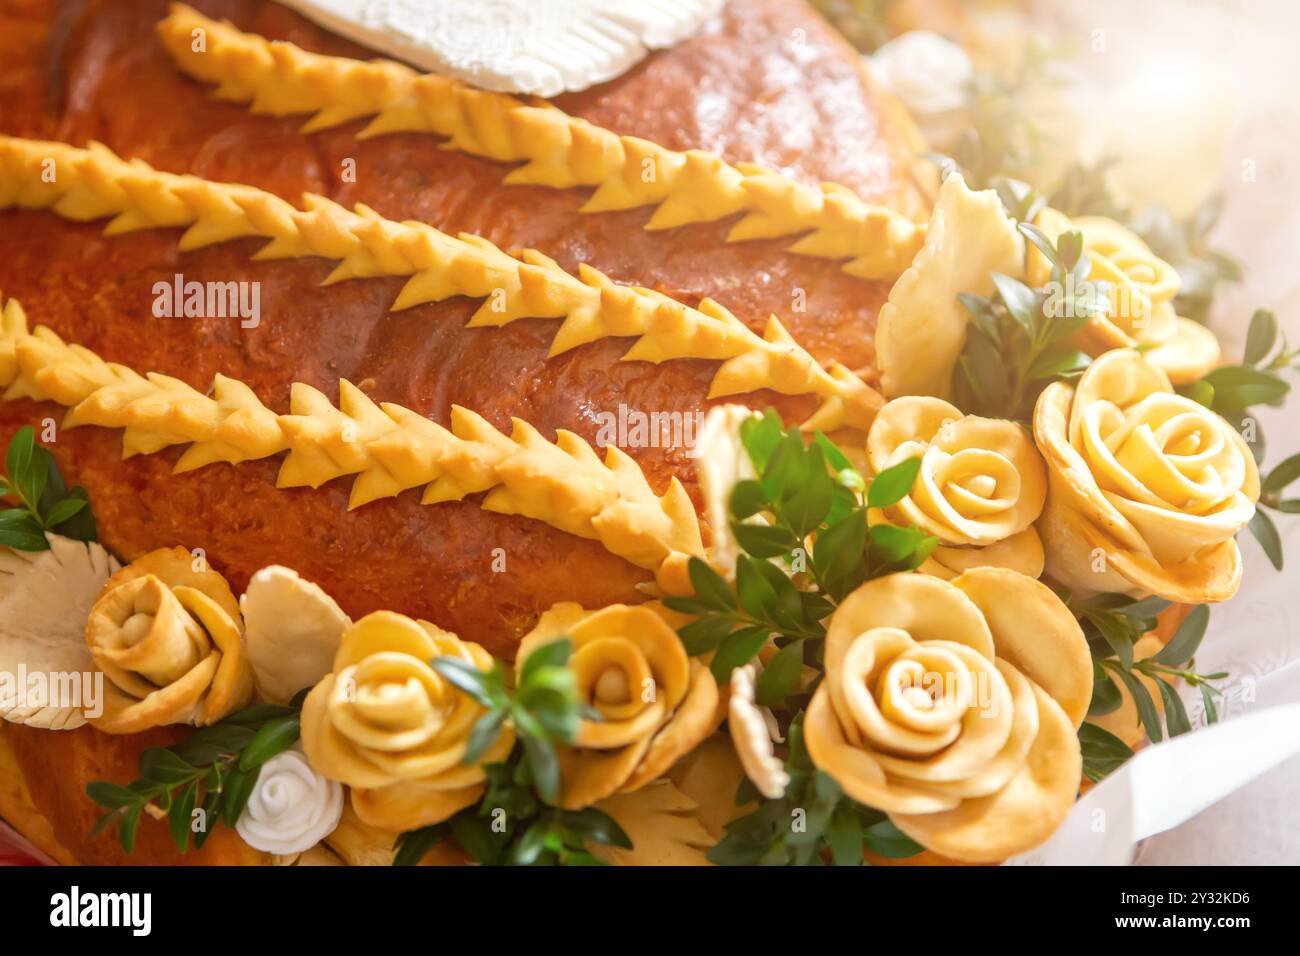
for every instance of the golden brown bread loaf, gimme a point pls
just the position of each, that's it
(749, 86)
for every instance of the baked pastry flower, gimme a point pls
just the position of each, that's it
(167, 634)
(1143, 287)
(1146, 488)
(292, 808)
(392, 728)
(953, 707)
(655, 703)
(980, 488)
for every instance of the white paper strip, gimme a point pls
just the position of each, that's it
(1168, 784)
(540, 47)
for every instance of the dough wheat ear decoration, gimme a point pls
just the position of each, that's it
(89, 184)
(387, 447)
(557, 150)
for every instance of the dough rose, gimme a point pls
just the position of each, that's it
(980, 488)
(168, 638)
(292, 808)
(388, 725)
(1143, 287)
(656, 703)
(953, 707)
(1146, 488)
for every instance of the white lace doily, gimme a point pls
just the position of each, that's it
(542, 47)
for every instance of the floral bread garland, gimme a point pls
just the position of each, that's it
(94, 184)
(558, 151)
(388, 448)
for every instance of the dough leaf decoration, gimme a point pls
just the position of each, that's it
(556, 150)
(94, 183)
(388, 448)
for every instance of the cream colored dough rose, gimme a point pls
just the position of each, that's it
(1143, 287)
(167, 634)
(953, 707)
(1147, 489)
(980, 488)
(388, 725)
(655, 703)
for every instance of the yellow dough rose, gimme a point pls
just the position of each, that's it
(167, 634)
(1146, 488)
(655, 703)
(388, 725)
(980, 488)
(1143, 287)
(953, 707)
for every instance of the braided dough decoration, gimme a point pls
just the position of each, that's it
(557, 150)
(93, 183)
(387, 447)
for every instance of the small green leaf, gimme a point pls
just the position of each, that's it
(702, 636)
(23, 541)
(414, 845)
(1146, 707)
(464, 676)
(1103, 752)
(593, 824)
(129, 827)
(1261, 337)
(710, 589)
(545, 767)
(763, 542)
(885, 839)
(893, 484)
(747, 498)
(844, 836)
(1106, 698)
(1020, 300)
(163, 766)
(1207, 697)
(111, 795)
(235, 793)
(19, 455)
(1265, 532)
(1182, 647)
(181, 817)
(739, 648)
(781, 675)
(1175, 713)
(63, 510)
(484, 733)
(273, 738)
(760, 436)
(1282, 475)
(554, 653)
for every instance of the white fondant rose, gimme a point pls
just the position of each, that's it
(1147, 489)
(932, 76)
(953, 708)
(981, 484)
(292, 808)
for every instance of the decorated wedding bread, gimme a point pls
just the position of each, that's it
(404, 468)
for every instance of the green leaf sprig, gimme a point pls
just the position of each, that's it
(543, 707)
(1018, 340)
(515, 822)
(805, 491)
(44, 502)
(510, 826)
(812, 824)
(1232, 390)
(215, 770)
(1112, 624)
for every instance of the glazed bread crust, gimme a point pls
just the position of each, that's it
(750, 86)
